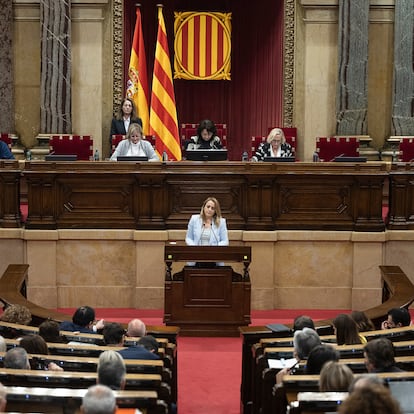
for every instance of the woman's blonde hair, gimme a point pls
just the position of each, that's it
(134, 128)
(335, 376)
(217, 214)
(273, 133)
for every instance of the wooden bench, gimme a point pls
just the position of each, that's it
(68, 401)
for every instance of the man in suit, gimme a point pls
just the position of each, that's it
(5, 152)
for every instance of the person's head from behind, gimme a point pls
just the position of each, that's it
(206, 130)
(127, 109)
(210, 210)
(318, 356)
(113, 333)
(17, 314)
(379, 355)
(304, 341)
(111, 370)
(303, 321)
(84, 316)
(134, 133)
(335, 377)
(363, 322)
(3, 398)
(49, 331)
(346, 330)
(364, 380)
(34, 344)
(397, 317)
(16, 358)
(149, 343)
(371, 399)
(276, 138)
(99, 399)
(136, 328)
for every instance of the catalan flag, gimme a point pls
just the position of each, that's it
(137, 85)
(163, 116)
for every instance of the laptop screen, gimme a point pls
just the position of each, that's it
(279, 159)
(61, 157)
(403, 392)
(134, 158)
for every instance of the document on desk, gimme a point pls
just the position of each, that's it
(282, 363)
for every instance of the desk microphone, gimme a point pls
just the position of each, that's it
(214, 234)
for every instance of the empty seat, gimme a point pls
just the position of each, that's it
(328, 148)
(79, 145)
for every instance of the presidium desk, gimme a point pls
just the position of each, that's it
(207, 301)
(163, 195)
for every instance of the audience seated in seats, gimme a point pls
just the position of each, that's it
(335, 377)
(379, 356)
(370, 399)
(16, 358)
(82, 321)
(49, 331)
(303, 343)
(114, 335)
(5, 152)
(318, 357)
(346, 331)
(35, 344)
(3, 398)
(364, 324)
(136, 328)
(275, 146)
(303, 321)
(111, 370)
(99, 399)
(17, 314)
(206, 137)
(397, 317)
(149, 343)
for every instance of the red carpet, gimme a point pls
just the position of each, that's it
(209, 369)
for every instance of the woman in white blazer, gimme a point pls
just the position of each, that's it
(134, 145)
(207, 228)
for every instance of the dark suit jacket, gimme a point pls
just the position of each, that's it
(118, 127)
(137, 352)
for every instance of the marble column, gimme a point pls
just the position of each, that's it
(352, 90)
(6, 67)
(55, 83)
(403, 84)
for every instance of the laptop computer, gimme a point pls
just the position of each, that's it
(132, 158)
(403, 392)
(61, 157)
(279, 159)
(350, 159)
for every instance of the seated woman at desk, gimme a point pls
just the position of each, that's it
(207, 228)
(206, 137)
(275, 146)
(134, 145)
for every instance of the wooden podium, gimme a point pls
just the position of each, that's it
(207, 300)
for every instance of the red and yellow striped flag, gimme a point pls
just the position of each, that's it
(137, 85)
(163, 116)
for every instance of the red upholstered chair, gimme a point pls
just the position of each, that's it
(330, 147)
(116, 139)
(7, 139)
(79, 145)
(256, 141)
(406, 149)
(190, 130)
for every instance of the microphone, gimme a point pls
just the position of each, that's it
(201, 235)
(337, 156)
(214, 234)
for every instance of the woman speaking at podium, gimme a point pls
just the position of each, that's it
(207, 228)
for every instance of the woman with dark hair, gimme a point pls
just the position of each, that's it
(363, 322)
(346, 331)
(124, 118)
(35, 344)
(206, 137)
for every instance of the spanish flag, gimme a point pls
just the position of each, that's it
(163, 117)
(137, 85)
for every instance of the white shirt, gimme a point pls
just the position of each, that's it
(135, 149)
